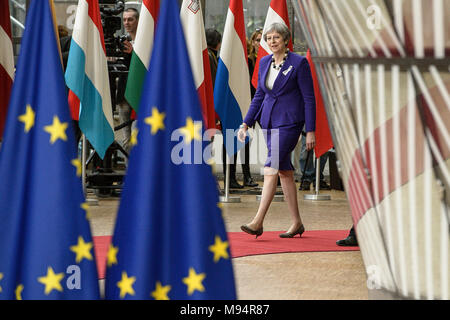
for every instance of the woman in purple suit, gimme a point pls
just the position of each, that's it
(284, 101)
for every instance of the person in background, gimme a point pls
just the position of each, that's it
(350, 241)
(253, 47)
(284, 101)
(130, 24)
(309, 173)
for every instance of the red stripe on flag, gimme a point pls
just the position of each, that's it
(152, 7)
(94, 14)
(237, 8)
(74, 106)
(206, 94)
(324, 142)
(5, 92)
(5, 79)
(5, 22)
(280, 7)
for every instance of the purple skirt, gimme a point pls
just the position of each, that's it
(281, 142)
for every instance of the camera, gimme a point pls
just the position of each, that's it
(111, 22)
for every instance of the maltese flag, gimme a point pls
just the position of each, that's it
(277, 13)
(194, 31)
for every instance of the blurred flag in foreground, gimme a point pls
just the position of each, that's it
(170, 240)
(46, 247)
(87, 76)
(6, 62)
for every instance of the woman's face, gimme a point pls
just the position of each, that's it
(276, 42)
(257, 41)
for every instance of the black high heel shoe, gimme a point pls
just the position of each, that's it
(299, 231)
(256, 233)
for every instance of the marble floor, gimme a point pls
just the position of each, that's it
(288, 276)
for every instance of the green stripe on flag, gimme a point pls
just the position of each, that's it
(135, 82)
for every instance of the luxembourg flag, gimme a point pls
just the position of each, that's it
(87, 76)
(194, 32)
(232, 86)
(6, 62)
(277, 12)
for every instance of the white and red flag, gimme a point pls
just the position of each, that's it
(324, 142)
(6, 62)
(194, 32)
(277, 13)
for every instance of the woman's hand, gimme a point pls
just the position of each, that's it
(310, 140)
(242, 133)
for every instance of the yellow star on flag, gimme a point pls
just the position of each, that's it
(112, 255)
(19, 291)
(1, 277)
(85, 207)
(161, 292)
(156, 121)
(133, 138)
(82, 250)
(51, 281)
(194, 281)
(28, 118)
(126, 285)
(57, 130)
(77, 164)
(192, 130)
(219, 248)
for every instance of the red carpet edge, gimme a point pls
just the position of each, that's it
(242, 244)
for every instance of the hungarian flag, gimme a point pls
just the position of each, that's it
(277, 13)
(142, 50)
(6, 62)
(324, 142)
(194, 31)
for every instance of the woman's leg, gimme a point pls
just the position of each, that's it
(268, 192)
(290, 194)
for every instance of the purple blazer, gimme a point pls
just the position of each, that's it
(291, 100)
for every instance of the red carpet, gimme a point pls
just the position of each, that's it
(243, 244)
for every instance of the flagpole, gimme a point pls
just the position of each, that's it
(83, 164)
(227, 198)
(317, 196)
(91, 202)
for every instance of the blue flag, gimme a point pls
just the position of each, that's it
(170, 240)
(46, 250)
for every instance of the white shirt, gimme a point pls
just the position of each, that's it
(271, 76)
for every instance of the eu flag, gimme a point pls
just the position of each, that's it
(169, 240)
(45, 242)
